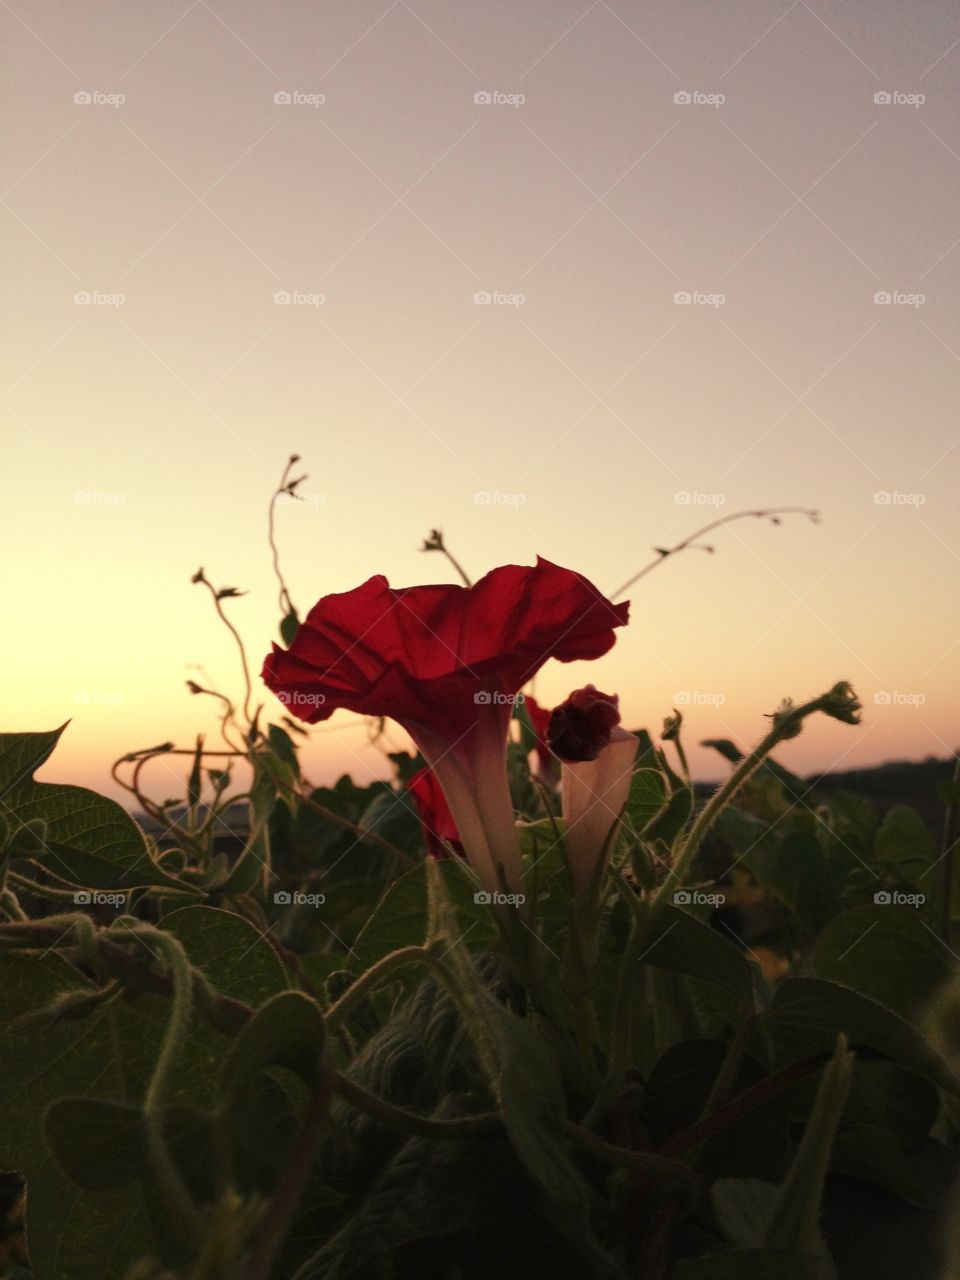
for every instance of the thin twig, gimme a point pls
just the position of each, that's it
(663, 553)
(435, 543)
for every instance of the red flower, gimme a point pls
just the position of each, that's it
(439, 829)
(580, 728)
(446, 663)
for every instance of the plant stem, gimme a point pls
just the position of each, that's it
(276, 1222)
(786, 725)
(772, 514)
(410, 1122)
(343, 1007)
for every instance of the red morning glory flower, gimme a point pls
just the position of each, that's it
(446, 662)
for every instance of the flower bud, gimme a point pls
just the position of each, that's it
(581, 727)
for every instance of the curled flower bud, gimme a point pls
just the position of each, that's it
(580, 728)
(842, 703)
(671, 726)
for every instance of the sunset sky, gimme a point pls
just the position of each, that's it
(173, 172)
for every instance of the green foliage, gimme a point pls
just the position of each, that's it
(381, 1062)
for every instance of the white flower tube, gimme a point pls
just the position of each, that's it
(593, 795)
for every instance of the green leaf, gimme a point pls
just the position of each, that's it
(805, 1014)
(885, 952)
(648, 796)
(904, 843)
(111, 1054)
(89, 840)
(685, 945)
(287, 1031)
(288, 627)
(873, 1153)
(400, 918)
(667, 825)
(531, 1097)
(101, 1144)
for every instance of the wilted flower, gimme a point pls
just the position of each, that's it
(580, 728)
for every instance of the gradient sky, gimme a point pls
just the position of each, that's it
(598, 415)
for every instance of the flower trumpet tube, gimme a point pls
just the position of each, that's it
(447, 662)
(597, 766)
